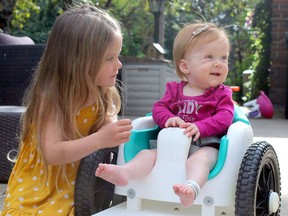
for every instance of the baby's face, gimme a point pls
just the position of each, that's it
(207, 64)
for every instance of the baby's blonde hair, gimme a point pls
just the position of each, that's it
(192, 34)
(65, 77)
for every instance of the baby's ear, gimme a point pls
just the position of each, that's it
(183, 67)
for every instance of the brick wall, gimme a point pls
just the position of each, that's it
(279, 53)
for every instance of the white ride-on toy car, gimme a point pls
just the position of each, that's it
(244, 182)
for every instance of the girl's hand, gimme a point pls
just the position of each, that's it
(191, 130)
(116, 133)
(174, 122)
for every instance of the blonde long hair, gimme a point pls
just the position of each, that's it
(65, 77)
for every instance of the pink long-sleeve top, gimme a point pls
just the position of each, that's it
(212, 112)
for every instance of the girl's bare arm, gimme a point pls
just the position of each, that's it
(57, 152)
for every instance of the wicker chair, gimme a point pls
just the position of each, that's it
(9, 137)
(17, 63)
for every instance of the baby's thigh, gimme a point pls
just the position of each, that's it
(206, 154)
(149, 154)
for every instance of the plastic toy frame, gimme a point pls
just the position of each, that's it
(245, 180)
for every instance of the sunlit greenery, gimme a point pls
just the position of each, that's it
(261, 44)
(34, 18)
(250, 39)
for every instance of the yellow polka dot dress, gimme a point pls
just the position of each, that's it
(29, 192)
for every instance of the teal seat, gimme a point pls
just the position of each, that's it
(239, 115)
(221, 157)
(140, 140)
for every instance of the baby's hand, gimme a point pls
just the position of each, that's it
(174, 122)
(116, 133)
(190, 130)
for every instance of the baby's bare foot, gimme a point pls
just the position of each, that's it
(113, 173)
(185, 193)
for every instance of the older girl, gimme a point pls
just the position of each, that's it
(71, 108)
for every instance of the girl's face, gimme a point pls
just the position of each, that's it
(111, 65)
(205, 65)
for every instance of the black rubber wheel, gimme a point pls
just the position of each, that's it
(259, 175)
(94, 194)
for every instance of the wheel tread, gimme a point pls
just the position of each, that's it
(245, 200)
